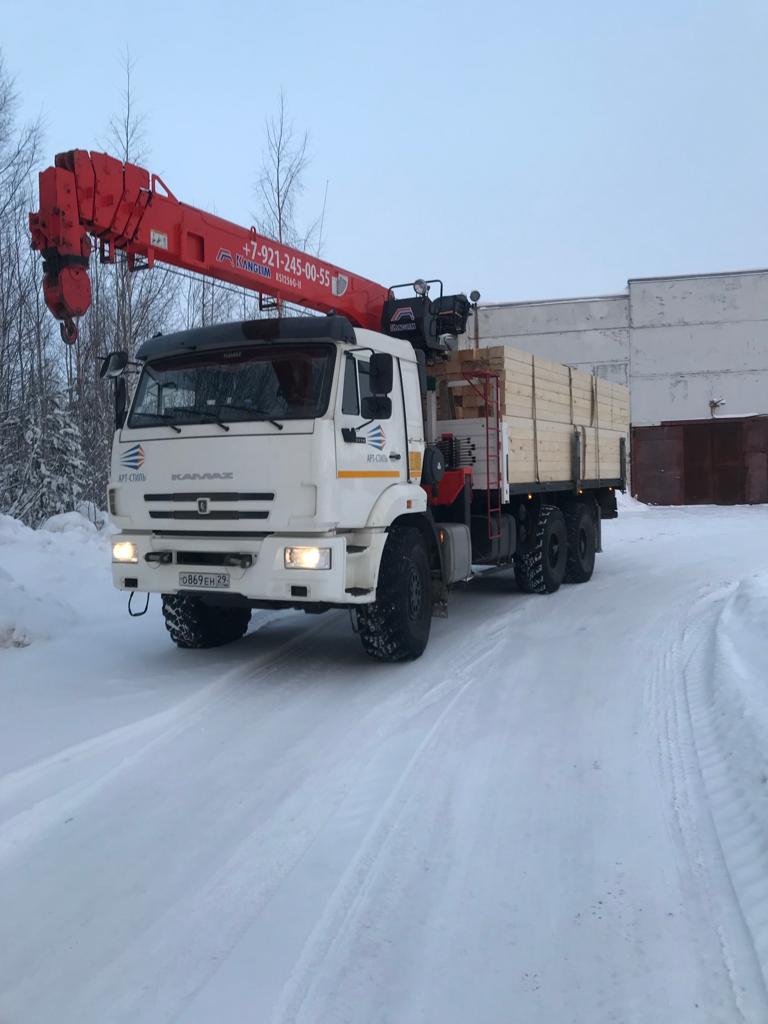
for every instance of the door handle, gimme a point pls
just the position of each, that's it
(395, 455)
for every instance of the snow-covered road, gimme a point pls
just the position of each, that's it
(559, 814)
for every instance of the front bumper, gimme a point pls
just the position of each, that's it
(351, 578)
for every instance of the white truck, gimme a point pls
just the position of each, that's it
(354, 460)
(284, 464)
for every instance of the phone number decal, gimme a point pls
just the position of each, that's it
(270, 262)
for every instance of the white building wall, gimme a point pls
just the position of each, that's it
(695, 340)
(586, 333)
(678, 342)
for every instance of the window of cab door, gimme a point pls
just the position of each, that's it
(356, 384)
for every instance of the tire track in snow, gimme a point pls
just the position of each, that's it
(234, 896)
(353, 884)
(365, 784)
(36, 811)
(730, 752)
(677, 705)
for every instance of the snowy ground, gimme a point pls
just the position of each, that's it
(559, 814)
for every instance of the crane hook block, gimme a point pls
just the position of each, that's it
(68, 331)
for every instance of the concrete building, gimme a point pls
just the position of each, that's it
(693, 351)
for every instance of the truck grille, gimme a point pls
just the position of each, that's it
(212, 496)
(225, 514)
(212, 514)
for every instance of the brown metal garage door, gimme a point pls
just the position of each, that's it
(712, 462)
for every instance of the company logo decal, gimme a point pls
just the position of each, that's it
(202, 506)
(376, 437)
(339, 284)
(243, 263)
(403, 313)
(133, 458)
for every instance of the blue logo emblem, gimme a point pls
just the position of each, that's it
(133, 458)
(376, 437)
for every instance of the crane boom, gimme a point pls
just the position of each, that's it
(125, 207)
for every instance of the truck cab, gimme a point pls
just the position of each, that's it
(264, 464)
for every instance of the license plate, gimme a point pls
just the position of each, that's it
(204, 580)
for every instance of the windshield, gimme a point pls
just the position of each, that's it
(268, 382)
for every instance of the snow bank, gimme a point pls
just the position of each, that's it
(41, 573)
(731, 713)
(741, 658)
(626, 503)
(739, 689)
(12, 531)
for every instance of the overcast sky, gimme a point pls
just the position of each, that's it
(529, 150)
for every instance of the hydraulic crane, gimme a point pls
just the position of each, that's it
(125, 207)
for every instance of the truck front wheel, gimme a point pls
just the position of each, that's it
(194, 624)
(396, 626)
(540, 566)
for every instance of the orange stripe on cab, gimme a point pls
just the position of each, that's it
(345, 474)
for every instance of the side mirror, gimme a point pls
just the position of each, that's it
(121, 401)
(114, 364)
(376, 407)
(382, 373)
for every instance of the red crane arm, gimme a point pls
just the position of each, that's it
(125, 207)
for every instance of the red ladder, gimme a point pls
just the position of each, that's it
(491, 388)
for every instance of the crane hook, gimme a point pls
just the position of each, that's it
(68, 330)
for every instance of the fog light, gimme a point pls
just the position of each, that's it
(124, 551)
(307, 558)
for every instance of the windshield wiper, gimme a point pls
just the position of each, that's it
(260, 412)
(194, 411)
(159, 416)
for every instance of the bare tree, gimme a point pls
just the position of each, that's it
(42, 469)
(143, 303)
(280, 184)
(204, 301)
(20, 363)
(127, 308)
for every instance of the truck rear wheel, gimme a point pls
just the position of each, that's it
(580, 524)
(540, 567)
(396, 626)
(194, 624)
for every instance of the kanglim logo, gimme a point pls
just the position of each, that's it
(133, 457)
(403, 313)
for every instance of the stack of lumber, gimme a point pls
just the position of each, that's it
(542, 404)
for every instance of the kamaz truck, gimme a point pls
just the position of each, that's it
(306, 461)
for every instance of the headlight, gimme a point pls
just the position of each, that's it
(124, 551)
(307, 558)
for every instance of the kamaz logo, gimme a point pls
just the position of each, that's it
(202, 476)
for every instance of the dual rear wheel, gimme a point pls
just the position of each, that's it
(562, 549)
